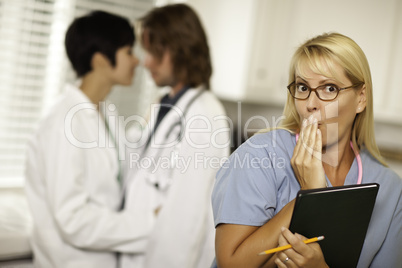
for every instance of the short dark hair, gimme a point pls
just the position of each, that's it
(178, 29)
(97, 31)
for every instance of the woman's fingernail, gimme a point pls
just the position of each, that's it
(283, 228)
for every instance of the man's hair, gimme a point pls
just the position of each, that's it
(178, 29)
(97, 31)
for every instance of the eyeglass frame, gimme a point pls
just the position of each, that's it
(318, 95)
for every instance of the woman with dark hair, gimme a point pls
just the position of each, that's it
(73, 175)
(188, 135)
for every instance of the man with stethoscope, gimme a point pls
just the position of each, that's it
(185, 142)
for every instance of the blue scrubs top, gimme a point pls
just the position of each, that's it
(258, 181)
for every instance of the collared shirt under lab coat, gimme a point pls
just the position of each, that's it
(183, 234)
(73, 191)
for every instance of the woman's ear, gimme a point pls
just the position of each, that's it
(100, 61)
(362, 100)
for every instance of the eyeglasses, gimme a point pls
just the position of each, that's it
(326, 92)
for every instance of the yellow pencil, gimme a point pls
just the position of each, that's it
(311, 240)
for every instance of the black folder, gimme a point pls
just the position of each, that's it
(341, 214)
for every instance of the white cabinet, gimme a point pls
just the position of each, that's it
(252, 42)
(229, 27)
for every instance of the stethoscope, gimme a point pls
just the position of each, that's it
(358, 159)
(180, 121)
(159, 185)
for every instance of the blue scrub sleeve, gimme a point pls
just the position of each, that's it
(245, 188)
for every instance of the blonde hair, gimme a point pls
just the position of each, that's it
(319, 54)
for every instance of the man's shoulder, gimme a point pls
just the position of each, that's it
(205, 101)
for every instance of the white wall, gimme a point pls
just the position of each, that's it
(252, 42)
(229, 42)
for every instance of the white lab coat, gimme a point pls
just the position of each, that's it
(74, 193)
(183, 234)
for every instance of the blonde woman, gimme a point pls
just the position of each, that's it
(330, 107)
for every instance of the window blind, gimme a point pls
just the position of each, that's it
(34, 67)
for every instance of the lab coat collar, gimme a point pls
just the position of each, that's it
(79, 97)
(180, 105)
(172, 117)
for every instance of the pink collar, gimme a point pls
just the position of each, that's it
(358, 159)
